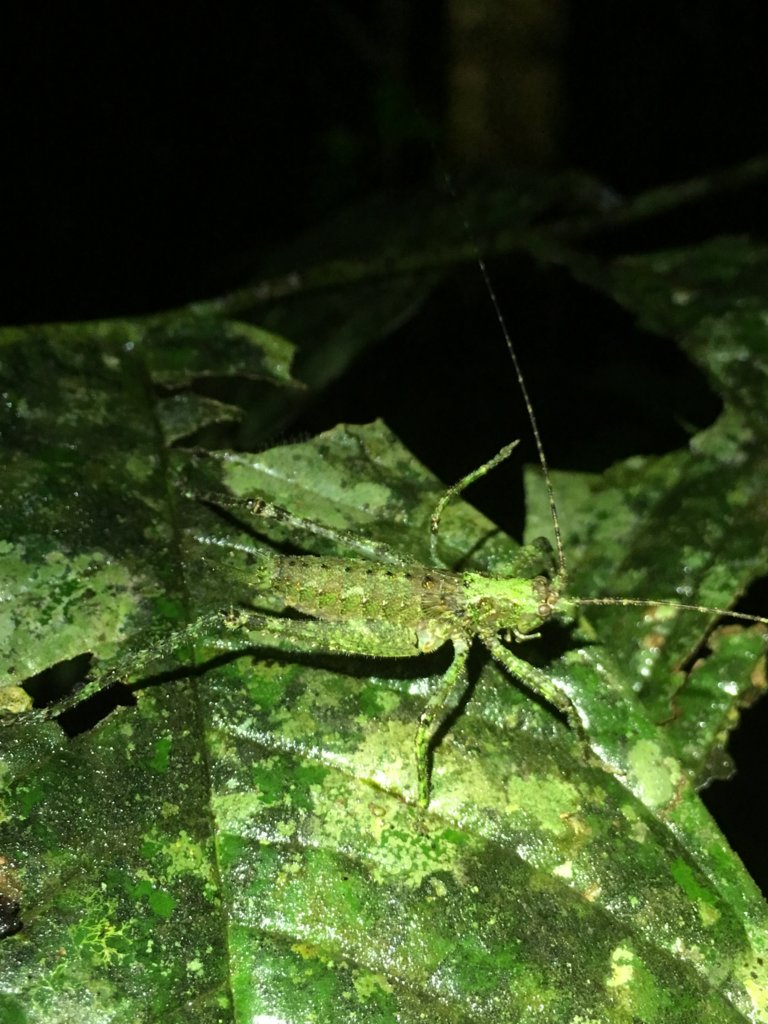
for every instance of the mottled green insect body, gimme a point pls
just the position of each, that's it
(378, 603)
(392, 607)
(384, 605)
(430, 605)
(340, 590)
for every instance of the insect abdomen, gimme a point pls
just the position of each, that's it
(336, 589)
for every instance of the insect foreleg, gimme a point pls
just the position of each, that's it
(452, 684)
(536, 680)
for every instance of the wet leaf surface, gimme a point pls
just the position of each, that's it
(237, 841)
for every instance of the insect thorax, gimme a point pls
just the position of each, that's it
(432, 605)
(518, 605)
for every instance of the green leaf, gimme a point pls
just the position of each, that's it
(236, 842)
(87, 520)
(689, 526)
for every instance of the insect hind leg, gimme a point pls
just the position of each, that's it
(258, 510)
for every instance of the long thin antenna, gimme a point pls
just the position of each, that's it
(639, 602)
(518, 372)
(627, 602)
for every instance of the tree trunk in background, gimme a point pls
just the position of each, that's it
(504, 81)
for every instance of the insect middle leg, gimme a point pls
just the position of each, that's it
(536, 680)
(236, 631)
(607, 726)
(453, 683)
(375, 639)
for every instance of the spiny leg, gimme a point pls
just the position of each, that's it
(259, 508)
(454, 679)
(375, 639)
(239, 629)
(236, 631)
(244, 629)
(145, 655)
(148, 654)
(536, 680)
(606, 724)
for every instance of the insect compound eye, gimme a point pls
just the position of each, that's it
(544, 610)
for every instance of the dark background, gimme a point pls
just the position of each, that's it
(155, 156)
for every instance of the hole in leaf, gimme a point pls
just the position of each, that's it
(59, 681)
(734, 804)
(95, 709)
(755, 600)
